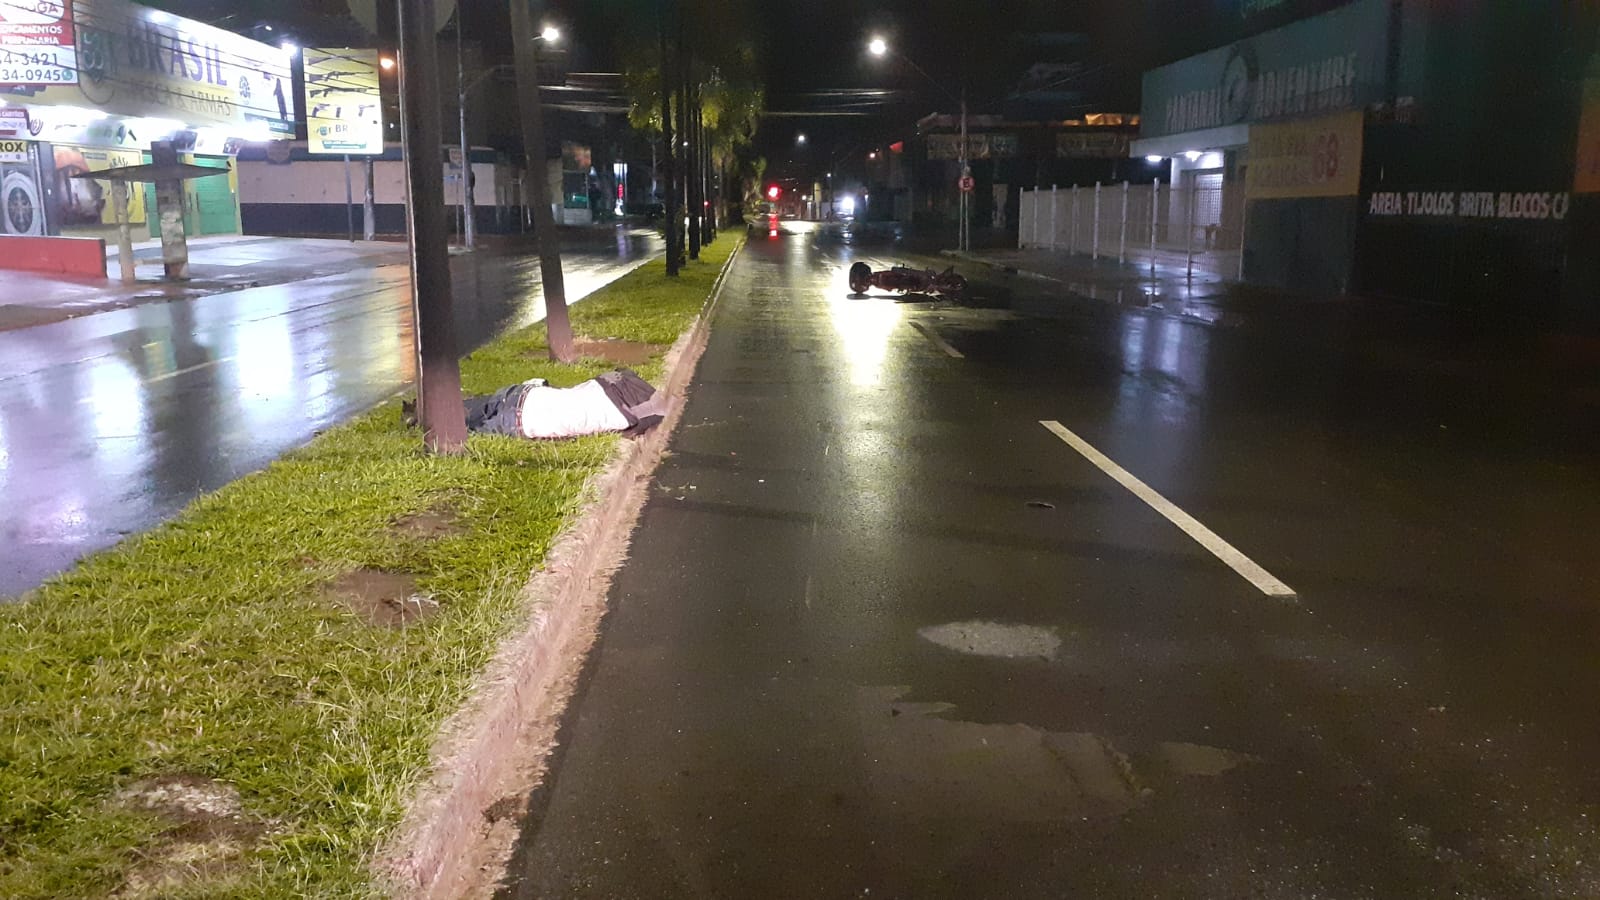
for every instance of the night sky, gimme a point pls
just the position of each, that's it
(806, 46)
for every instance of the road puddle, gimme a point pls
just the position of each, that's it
(981, 638)
(923, 764)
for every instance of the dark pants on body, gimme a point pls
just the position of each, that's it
(497, 413)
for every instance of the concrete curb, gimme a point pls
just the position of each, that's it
(460, 827)
(1010, 270)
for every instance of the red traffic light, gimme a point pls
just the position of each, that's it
(773, 191)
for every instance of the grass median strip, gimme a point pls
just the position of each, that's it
(207, 710)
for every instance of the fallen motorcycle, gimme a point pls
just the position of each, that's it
(907, 280)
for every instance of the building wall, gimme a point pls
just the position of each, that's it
(306, 196)
(1478, 121)
(1468, 181)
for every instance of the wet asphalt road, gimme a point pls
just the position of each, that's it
(111, 423)
(883, 634)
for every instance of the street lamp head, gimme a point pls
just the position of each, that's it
(551, 34)
(800, 138)
(289, 47)
(877, 46)
(386, 63)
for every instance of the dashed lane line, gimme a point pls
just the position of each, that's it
(1221, 549)
(937, 341)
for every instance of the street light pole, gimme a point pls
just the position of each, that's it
(963, 240)
(877, 46)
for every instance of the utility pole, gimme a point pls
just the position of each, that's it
(444, 424)
(670, 197)
(469, 209)
(369, 225)
(558, 326)
(964, 237)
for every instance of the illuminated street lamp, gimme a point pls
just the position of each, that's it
(878, 46)
(469, 223)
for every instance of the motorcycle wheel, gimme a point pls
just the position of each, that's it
(860, 278)
(953, 285)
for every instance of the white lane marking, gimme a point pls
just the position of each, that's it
(1207, 538)
(174, 374)
(937, 341)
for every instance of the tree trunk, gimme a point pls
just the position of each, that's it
(558, 327)
(708, 222)
(669, 169)
(691, 167)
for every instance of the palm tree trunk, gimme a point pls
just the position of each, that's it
(558, 326)
(691, 152)
(669, 194)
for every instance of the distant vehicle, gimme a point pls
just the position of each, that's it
(908, 280)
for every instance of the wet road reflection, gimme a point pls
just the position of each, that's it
(875, 614)
(111, 423)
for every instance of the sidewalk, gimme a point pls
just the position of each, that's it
(217, 265)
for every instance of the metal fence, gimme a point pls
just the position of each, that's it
(1196, 229)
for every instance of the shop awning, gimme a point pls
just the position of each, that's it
(1226, 137)
(152, 172)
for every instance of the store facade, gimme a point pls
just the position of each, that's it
(87, 85)
(1403, 148)
(1269, 128)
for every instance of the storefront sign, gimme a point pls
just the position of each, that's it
(1092, 145)
(13, 151)
(1540, 206)
(344, 110)
(13, 123)
(1316, 158)
(139, 62)
(36, 43)
(979, 146)
(1330, 62)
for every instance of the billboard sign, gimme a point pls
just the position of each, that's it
(36, 43)
(979, 146)
(136, 62)
(1328, 63)
(344, 108)
(1092, 144)
(1312, 158)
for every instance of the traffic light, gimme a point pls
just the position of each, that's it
(773, 192)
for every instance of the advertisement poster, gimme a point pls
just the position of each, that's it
(37, 47)
(344, 109)
(86, 201)
(1316, 158)
(134, 61)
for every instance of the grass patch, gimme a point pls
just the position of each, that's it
(208, 649)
